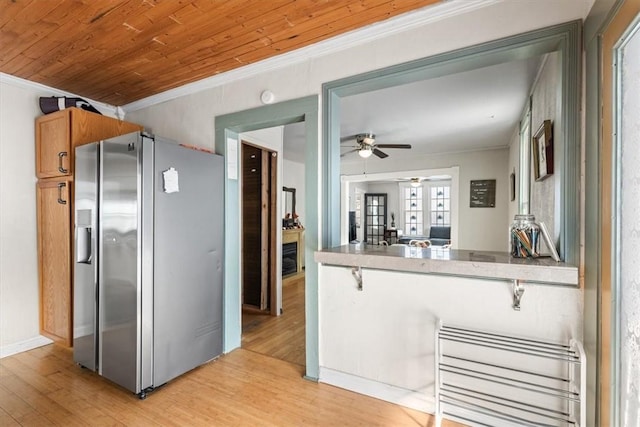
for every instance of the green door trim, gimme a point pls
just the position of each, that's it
(229, 126)
(563, 38)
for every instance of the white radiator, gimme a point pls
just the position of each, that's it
(491, 379)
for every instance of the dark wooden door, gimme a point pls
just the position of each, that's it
(258, 228)
(375, 217)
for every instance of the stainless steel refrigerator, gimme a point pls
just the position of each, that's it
(148, 259)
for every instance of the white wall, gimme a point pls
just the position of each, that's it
(479, 228)
(190, 118)
(545, 105)
(380, 341)
(293, 176)
(514, 166)
(18, 245)
(19, 293)
(354, 189)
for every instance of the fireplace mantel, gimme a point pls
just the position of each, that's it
(296, 235)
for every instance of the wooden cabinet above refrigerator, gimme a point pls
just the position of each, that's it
(57, 135)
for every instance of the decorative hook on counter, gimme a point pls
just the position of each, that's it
(518, 290)
(357, 274)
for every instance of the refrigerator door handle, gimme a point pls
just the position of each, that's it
(83, 245)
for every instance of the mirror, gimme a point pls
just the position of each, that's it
(288, 206)
(554, 49)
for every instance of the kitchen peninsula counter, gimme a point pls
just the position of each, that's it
(377, 323)
(455, 262)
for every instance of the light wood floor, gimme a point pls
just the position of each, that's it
(283, 336)
(258, 385)
(44, 387)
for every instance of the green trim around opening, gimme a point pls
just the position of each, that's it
(230, 126)
(564, 38)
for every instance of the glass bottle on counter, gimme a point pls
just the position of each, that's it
(525, 237)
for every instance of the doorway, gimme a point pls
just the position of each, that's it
(375, 217)
(228, 127)
(273, 280)
(281, 337)
(259, 228)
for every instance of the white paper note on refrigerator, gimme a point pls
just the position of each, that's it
(170, 177)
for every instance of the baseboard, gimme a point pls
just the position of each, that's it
(19, 347)
(413, 399)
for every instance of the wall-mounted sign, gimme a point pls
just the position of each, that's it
(483, 193)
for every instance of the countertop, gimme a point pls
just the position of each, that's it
(452, 262)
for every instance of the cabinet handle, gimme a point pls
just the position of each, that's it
(60, 167)
(61, 185)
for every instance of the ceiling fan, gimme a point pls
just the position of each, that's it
(366, 145)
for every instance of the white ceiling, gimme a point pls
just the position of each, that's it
(472, 110)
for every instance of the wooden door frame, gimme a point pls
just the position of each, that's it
(623, 17)
(274, 229)
(268, 241)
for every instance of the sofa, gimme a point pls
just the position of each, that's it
(439, 236)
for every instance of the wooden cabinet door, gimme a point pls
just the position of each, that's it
(53, 146)
(54, 200)
(57, 135)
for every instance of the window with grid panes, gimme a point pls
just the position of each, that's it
(413, 221)
(440, 205)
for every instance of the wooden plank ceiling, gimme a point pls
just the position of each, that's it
(118, 52)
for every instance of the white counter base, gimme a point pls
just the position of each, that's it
(380, 341)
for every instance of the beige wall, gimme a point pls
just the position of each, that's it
(19, 107)
(545, 106)
(293, 176)
(479, 228)
(18, 247)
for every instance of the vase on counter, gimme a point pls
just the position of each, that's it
(524, 235)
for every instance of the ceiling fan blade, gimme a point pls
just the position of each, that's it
(393, 145)
(379, 153)
(349, 152)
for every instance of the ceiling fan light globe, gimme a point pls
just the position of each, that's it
(415, 182)
(365, 152)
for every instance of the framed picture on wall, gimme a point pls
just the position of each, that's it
(483, 193)
(542, 151)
